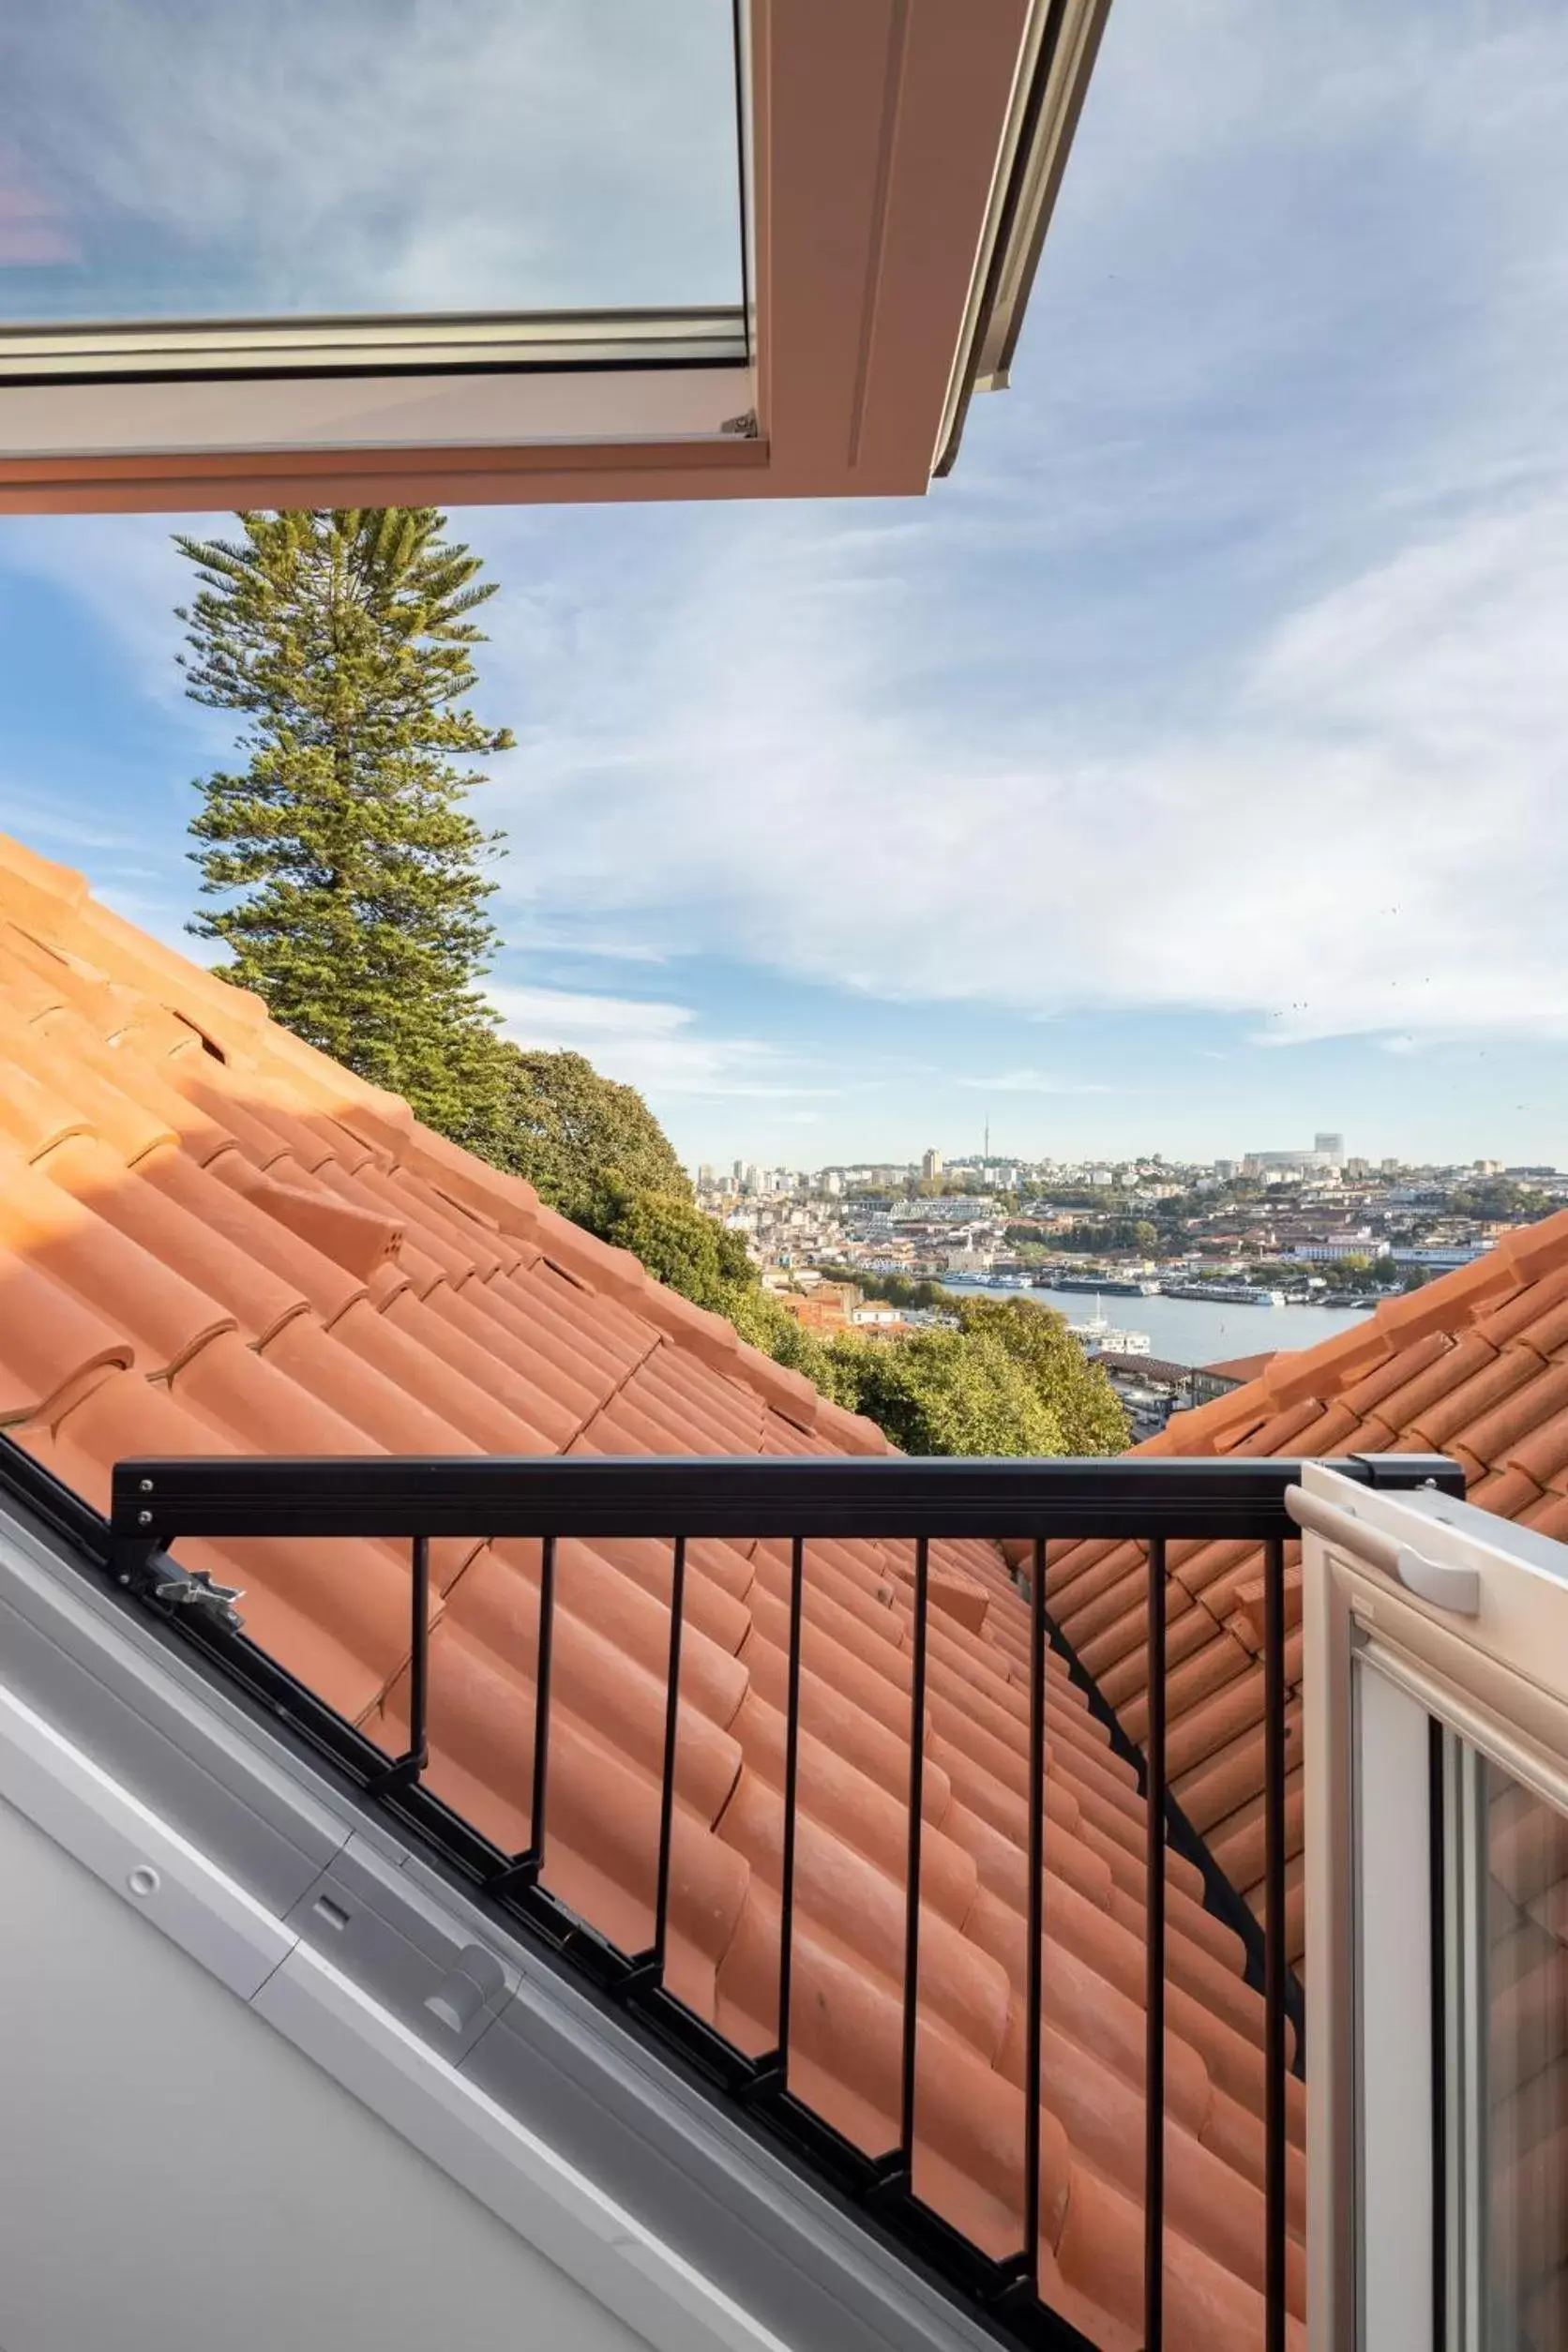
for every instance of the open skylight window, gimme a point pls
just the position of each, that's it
(359, 251)
(362, 182)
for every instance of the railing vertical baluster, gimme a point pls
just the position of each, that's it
(1036, 1911)
(419, 1656)
(911, 1894)
(541, 1698)
(792, 1774)
(1153, 2065)
(1273, 1946)
(672, 1727)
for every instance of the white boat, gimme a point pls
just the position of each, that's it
(1097, 1332)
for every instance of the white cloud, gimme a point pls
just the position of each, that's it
(656, 1046)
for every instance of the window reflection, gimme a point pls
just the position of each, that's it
(178, 159)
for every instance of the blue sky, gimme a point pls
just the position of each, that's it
(1189, 772)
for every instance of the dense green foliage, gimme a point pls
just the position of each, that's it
(675, 1241)
(1500, 1198)
(347, 871)
(571, 1132)
(1110, 1237)
(1003, 1377)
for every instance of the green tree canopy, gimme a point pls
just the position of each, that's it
(347, 870)
(674, 1240)
(1087, 1411)
(569, 1130)
(950, 1392)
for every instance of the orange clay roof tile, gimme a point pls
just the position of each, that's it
(214, 1240)
(1474, 1364)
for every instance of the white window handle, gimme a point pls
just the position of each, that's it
(1455, 1590)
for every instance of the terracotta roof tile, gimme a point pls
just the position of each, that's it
(1474, 1364)
(1366, 1392)
(1302, 1371)
(213, 1240)
(1525, 1429)
(1549, 1515)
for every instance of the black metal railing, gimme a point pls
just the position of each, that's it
(1034, 1504)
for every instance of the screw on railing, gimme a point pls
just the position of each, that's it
(1275, 1960)
(1154, 2062)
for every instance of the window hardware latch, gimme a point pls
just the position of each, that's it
(196, 1589)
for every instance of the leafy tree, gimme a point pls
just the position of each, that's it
(950, 1392)
(348, 872)
(568, 1131)
(674, 1240)
(763, 1323)
(1495, 1197)
(1086, 1408)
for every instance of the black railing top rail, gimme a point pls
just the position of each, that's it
(156, 1500)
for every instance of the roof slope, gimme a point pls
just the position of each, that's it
(1475, 1365)
(214, 1240)
(1242, 1368)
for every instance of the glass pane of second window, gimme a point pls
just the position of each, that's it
(1525, 2127)
(164, 159)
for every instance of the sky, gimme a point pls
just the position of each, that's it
(1189, 772)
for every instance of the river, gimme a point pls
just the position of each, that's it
(1193, 1331)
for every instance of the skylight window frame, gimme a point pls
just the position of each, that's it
(880, 150)
(453, 342)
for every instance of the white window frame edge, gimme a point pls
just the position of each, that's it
(1479, 1676)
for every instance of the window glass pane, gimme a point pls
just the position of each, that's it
(1525, 2126)
(207, 158)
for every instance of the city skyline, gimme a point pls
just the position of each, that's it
(966, 1160)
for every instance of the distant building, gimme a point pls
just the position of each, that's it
(1209, 1380)
(1332, 1147)
(1287, 1164)
(1224, 1171)
(930, 1167)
